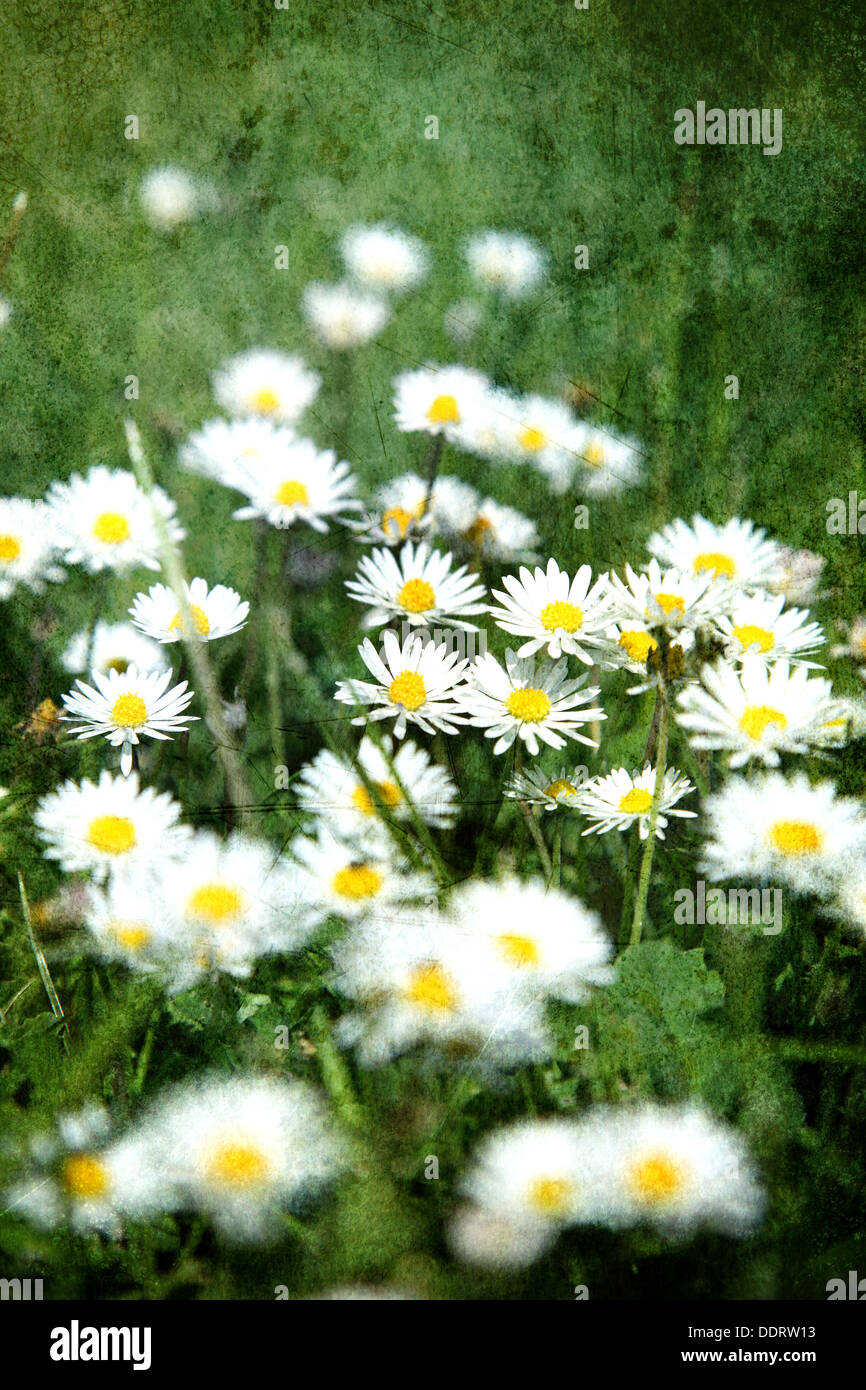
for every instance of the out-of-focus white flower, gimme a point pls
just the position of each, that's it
(169, 197)
(29, 546)
(739, 551)
(384, 258)
(343, 317)
(105, 520)
(99, 826)
(298, 483)
(112, 647)
(264, 382)
(507, 262)
(438, 400)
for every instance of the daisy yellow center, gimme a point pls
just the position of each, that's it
(118, 664)
(721, 565)
(291, 492)
(111, 528)
(636, 802)
(444, 411)
(530, 705)
(551, 1196)
(238, 1165)
(657, 1178)
(518, 950)
(748, 636)
(396, 520)
(131, 935)
(10, 548)
(265, 400)
(637, 644)
(199, 617)
(129, 712)
(408, 689)
(594, 454)
(388, 793)
(83, 1175)
(430, 987)
(216, 903)
(111, 834)
(756, 720)
(532, 439)
(565, 615)
(796, 837)
(561, 787)
(357, 881)
(477, 531)
(671, 603)
(47, 712)
(417, 596)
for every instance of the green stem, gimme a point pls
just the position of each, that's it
(335, 1073)
(538, 839)
(422, 830)
(649, 848)
(42, 966)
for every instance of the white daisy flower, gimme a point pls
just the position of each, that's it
(129, 921)
(783, 830)
(528, 701)
(854, 644)
(481, 526)
(536, 787)
(112, 647)
(417, 586)
(417, 682)
(264, 382)
(28, 546)
(400, 511)
(216, 612)
(739, 551)
(453, 505)
(799, 577)
(242, 1148)
(226, 450)
(619, 799)
(384, 257)
(675, 1168)
(850, 900)
(352, 880)
(757, 712)
(543, 940)
(506, 262)
(488, 429)
(343, 317)
(298, 483)
(631, 644)
(847, 725)
(331, 789)
(669, 599)
(557, 614)
(169, 197)
(608, 462)
(490, 1240)
(760, 625)
(544, 433)
(438, 400)
(124, 708)
(105, 521)
(97, 826)
(530, 1175)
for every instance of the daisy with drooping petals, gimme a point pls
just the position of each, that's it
(417, 682)
(351, 880)
(384, 258)
(607, 462)
(667, 599)
(264, 382)
(508, 263)
(112, 647)
(298, 483)
(226, 450)
(761, 626)
(536, 787)
(756, 712)
(528, 701)
(776, 829)
(418, 586)
(438, 400)
(216, 612)
(331, 789)
(28, 546)
(617, 800)
(99, 826)
(554, 612)
(343, 317)
(105, 521)
(739, 551)
(543, 432)
(126, 707)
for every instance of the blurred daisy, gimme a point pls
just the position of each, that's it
(847, 724)
(854, 644)
(486, 528)
(675, 1168)
(384, 257)
(528, 701)
(418, 586)
(169, 197)
(99, 826)
(112, 647)
(762, 626)
(105, 521)
(479, 1236)
(226, 450)
(543, 432)
(757, 712)
(124, 708)
(6, 311)
(488, 428)
(351, 880)
(399, 511)
(265, 382)
(776, 829)
(28, 546)
(298, 483)
(216, 612)
(799, 576)
(331, 789)
(671, 599)
(438, 400)
(557, 614)
(850, 900)
(537, 788)
(129, 921)
(507, 262)
(738, 551)
(343, 317)
(619, 799)
(417, 682)
(608, 462)
(633, 646)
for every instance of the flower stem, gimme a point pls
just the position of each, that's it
(439, 868)
(437, 444)
(649, 848)
(335, 1073)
